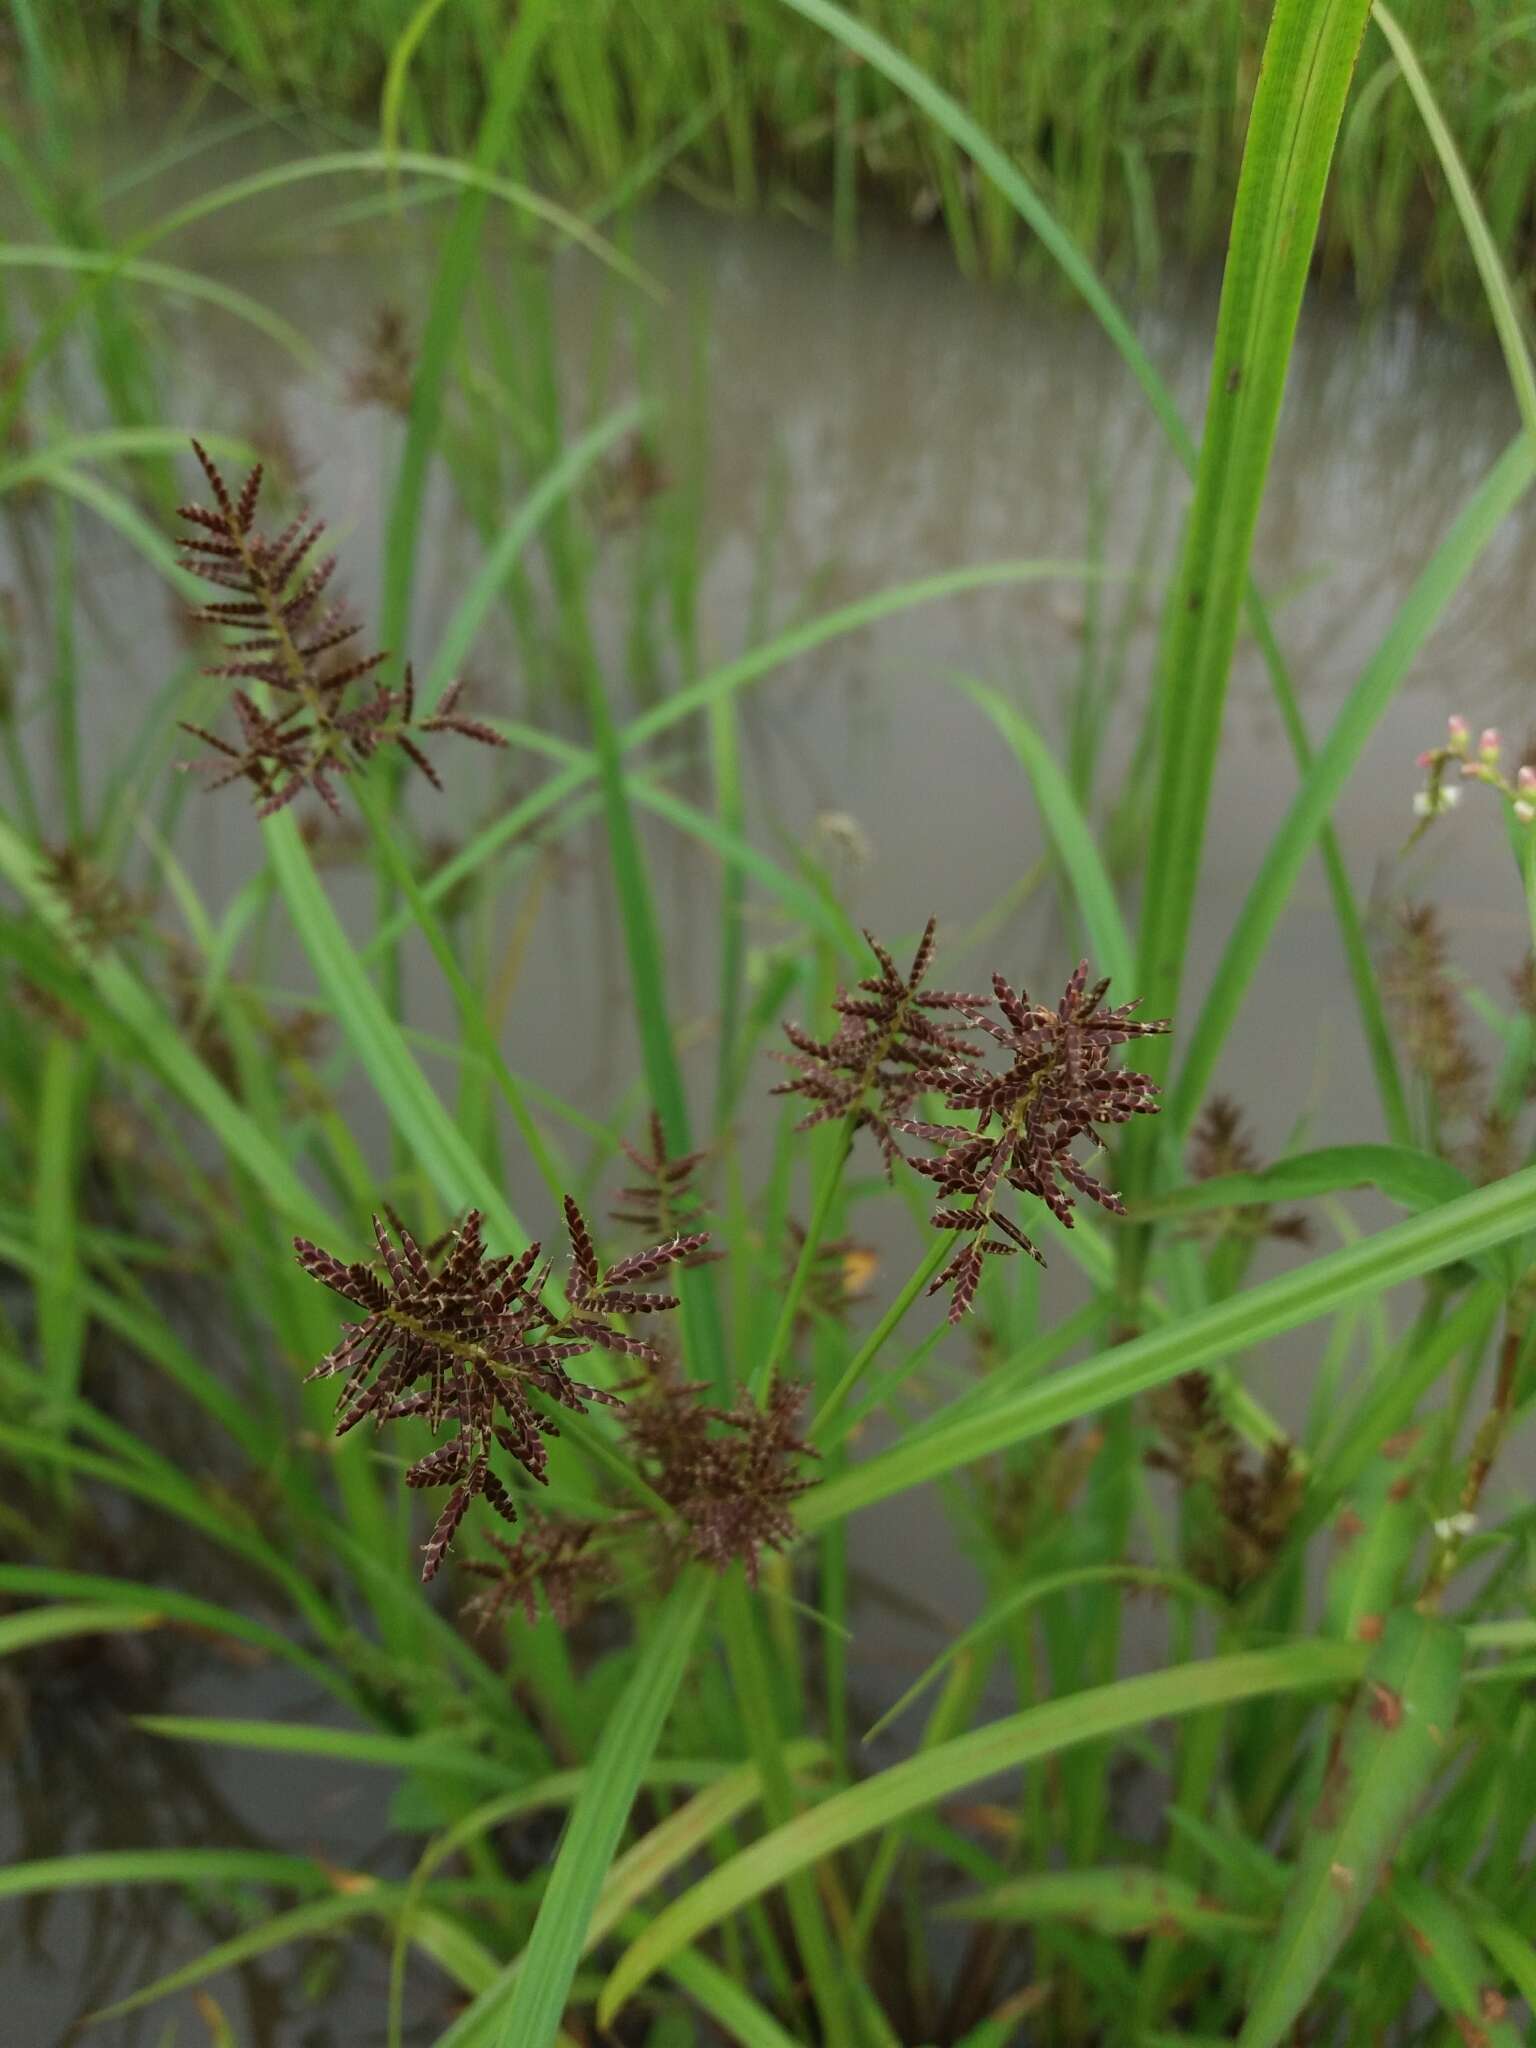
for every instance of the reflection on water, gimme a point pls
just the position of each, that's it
(867, 425)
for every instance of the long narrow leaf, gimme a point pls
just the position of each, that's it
(1254, 926)
(445, 1155)
(1418, 1245)
(925, 1781)
(522, 2009)
(1309, 57)
(1395, 1738)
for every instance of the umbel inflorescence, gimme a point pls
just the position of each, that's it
(1058, 1085)
(890, 1032)
(454, 1336)
(289, 637)
(483, 1346)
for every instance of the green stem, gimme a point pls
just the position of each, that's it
(471, 1007)
(750, 1676)
(794, 1294)
(931, 1262)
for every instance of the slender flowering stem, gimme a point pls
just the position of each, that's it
(794, 1294)
(931, 1261)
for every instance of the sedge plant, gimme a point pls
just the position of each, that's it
(1238, 1743)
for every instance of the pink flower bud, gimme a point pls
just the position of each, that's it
(1456, 732)
(1427, 758)
(1525, 781)
(1489, 743)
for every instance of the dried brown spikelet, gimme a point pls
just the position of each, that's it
(627, 483)
(451, 1335)
(551, 1557)
(887, 1038)
(1057, 1087)
(664, 1201)
(1250, 1506)
(100, 908)
(1419, 985)
(841, 1273)
(48, 1008)
(1491, 1153)
(1219, 1144)
(18, 434)
(731, 1475)
(385, 372)
(333, 842)
(10, 635)
(1522, 985)
(288, 636)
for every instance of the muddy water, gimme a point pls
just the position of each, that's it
(901, 423)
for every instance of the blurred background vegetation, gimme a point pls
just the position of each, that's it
(1130, 121)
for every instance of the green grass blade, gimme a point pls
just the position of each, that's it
(380, 162)
(524, 2006)
(445, 313)
(1419, 1180)
(109, 1868)
(1123, 1901)
(927, 1780)
(444, 1154)
(559, 1789)
(175, 282)
(1254, 926)
(1308, 61)
(1449, 1957)
(63, 1095)
(724, 1796)
(398, 70)
(703, 1338)
(1502, 303)
(165, 1605)
(641, 1870)
(1511, 1950)
(106, 444)
(951, 118)
(1001, 1612)
(477, 1038)
(1072, 837)
(299, 1923)
(552, 489)
(161, 1044)
(426, 1753)
(1395, 1738)
(723, 682)
(57, 1624)
(959, 126)
(1420, 1244)
(727, 2002)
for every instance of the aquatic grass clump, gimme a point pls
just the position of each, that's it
(1278, 1805)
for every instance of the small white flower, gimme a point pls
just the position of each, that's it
(1427, 803)
(1525, 812)
(1455, 1526)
